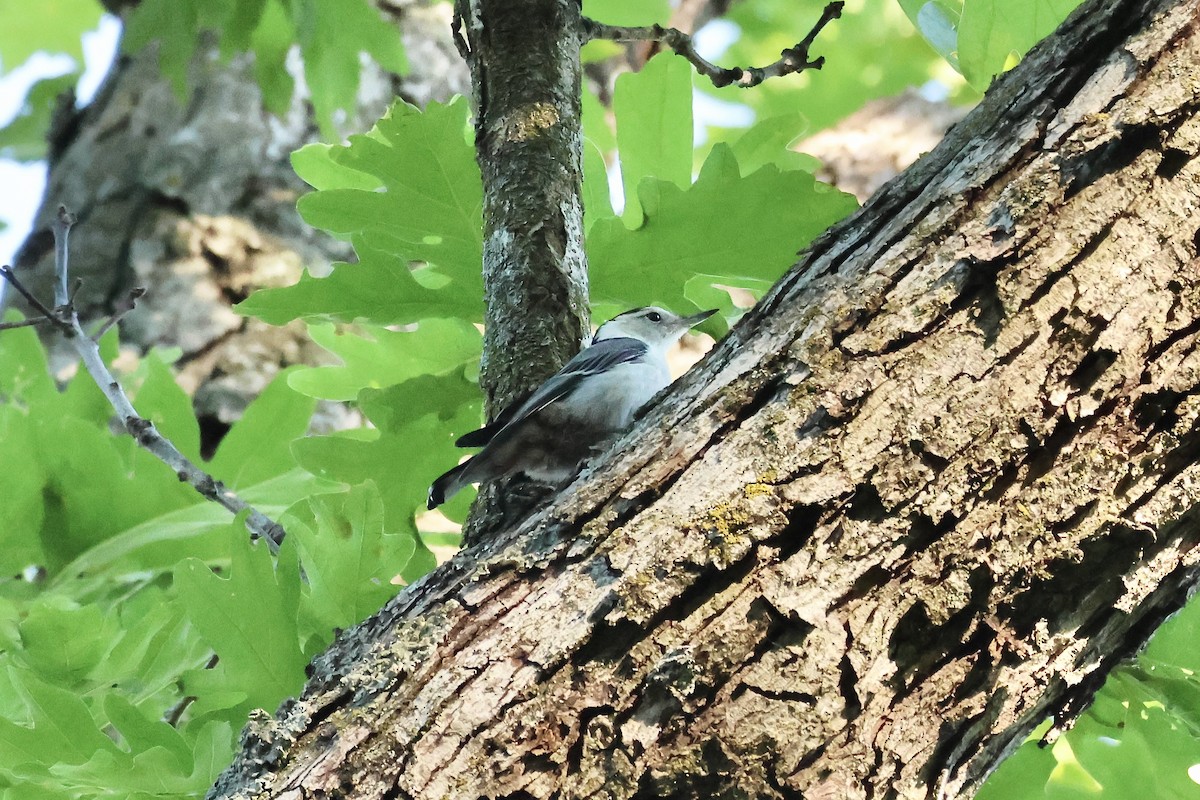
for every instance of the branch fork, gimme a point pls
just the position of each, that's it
(63, 317)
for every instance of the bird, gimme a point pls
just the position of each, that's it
(551, 432)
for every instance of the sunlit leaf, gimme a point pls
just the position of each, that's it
(991, 31)
(654, 120)
(249, 618)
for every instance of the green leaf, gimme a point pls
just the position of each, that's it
(938, 22)
(744, 230)
(154, 646)
(349, 558)
(320, 166)
(22, 514)
(241, 20)
(212, 752)
(59, 728)
(380, 289)
(155, 771)
(430, 206)
(258, 447)
(1069, 775)
(380, 357)
(97, 485)
(270, 40)
(768, 142)
(54, 26)
(597, 204)
(174, 24)
(218, 694)
(24, 371)
(63, 641)
(142, 733)
(78, 483)
(1175, 642)
(157, 543)
(654, 127)
(160, 400)
(417, 423)
(628, 12)
(24, 138)
(249, 618)
(408, 191)
(331, 36)
(992, 31)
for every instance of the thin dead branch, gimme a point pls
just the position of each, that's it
(792, 60)
(64, 318)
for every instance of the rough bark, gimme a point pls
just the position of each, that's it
(525, 70)
(928, 492)
(196, 201)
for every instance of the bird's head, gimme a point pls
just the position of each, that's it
(655, 326)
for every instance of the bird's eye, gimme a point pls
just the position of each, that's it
(654, 316)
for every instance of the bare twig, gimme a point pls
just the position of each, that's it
(689, 16)
(61, 226)
(66, 320)
(794, 59)
(46, 313)
(128, 305)
(25, 323)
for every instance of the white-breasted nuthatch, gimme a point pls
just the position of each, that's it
(569, 417)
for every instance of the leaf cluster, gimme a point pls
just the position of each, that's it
(140, 627)
(329, 34)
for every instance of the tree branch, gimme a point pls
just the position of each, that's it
(792, 60)
(530, 154)
(25, 323)
(66, 320)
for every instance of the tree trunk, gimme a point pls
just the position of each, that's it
(926, 494)
(196, 201)
(526, 76)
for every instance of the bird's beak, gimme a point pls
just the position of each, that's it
(696, 319)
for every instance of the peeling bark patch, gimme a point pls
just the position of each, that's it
(527, 122)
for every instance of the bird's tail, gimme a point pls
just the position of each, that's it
(448, 484)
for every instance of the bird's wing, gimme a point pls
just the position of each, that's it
(480, 437)
(600, 357)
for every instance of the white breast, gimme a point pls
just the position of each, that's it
(611, 400)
